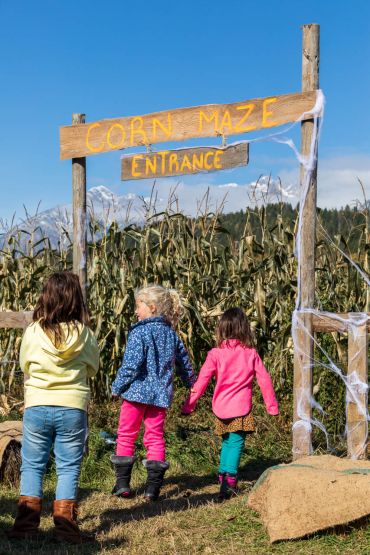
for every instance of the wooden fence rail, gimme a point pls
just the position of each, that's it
(13, 319)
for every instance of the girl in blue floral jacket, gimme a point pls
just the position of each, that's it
(145, 383)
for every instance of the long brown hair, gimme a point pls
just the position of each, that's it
(234, 324)
(61, 301)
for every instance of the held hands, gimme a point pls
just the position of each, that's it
(186, 408)
(185, 411)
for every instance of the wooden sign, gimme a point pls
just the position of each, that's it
(183, 123)
(183, 161)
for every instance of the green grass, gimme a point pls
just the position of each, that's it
(187, 519)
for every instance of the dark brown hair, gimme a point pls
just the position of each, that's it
(234, 324)
(61, 300)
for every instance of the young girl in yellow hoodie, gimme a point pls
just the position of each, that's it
(58, 354)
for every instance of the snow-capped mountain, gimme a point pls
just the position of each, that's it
(103, 207)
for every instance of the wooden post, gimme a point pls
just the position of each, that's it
(302, 384)
(367, 255)
(79, 213)
(304, 344)
(357, 425)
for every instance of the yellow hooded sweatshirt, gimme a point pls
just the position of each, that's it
(58, 376)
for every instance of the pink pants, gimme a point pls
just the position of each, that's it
(132, 414)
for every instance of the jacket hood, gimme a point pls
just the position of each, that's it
(76, 338)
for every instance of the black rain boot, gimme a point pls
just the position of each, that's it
(156, 471)
(228, 485)
(123, 467)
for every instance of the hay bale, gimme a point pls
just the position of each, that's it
(10, 452)
(10, 468)
(311, 494)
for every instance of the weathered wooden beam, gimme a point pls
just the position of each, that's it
(13, 319)
(79, 214)
(183, 161)
(325, 322)
(210, 120)
(304, 344)
(302, 385)
(356, 409)
(310, 82)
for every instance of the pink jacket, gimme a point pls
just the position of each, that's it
(234, 367)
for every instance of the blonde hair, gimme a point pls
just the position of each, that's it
(167, 301)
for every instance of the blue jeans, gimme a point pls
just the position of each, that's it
(43, 426)
(231, 451)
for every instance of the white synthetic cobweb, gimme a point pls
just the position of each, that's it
(354, 386)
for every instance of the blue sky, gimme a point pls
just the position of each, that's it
(117, 59)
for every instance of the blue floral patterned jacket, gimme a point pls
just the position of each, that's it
(146, 375)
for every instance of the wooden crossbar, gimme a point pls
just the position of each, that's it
(13, 319)
(324, 322)
(356, 395)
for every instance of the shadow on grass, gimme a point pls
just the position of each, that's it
(338, 530)
(252, 470)
(44, 543)
(179, 494)
(346, 529)
(144, 510)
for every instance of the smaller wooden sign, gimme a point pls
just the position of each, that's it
(183, 161)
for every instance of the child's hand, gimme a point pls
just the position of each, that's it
(115, 397)
(185, 409)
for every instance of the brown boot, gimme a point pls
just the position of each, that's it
(27, 521)
(65, 521)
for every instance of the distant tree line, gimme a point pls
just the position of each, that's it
(347, 222)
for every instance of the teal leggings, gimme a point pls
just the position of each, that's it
(231, 451)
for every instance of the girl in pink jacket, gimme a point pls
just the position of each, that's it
(234, 363)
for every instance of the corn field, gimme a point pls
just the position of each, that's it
(212, 270)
